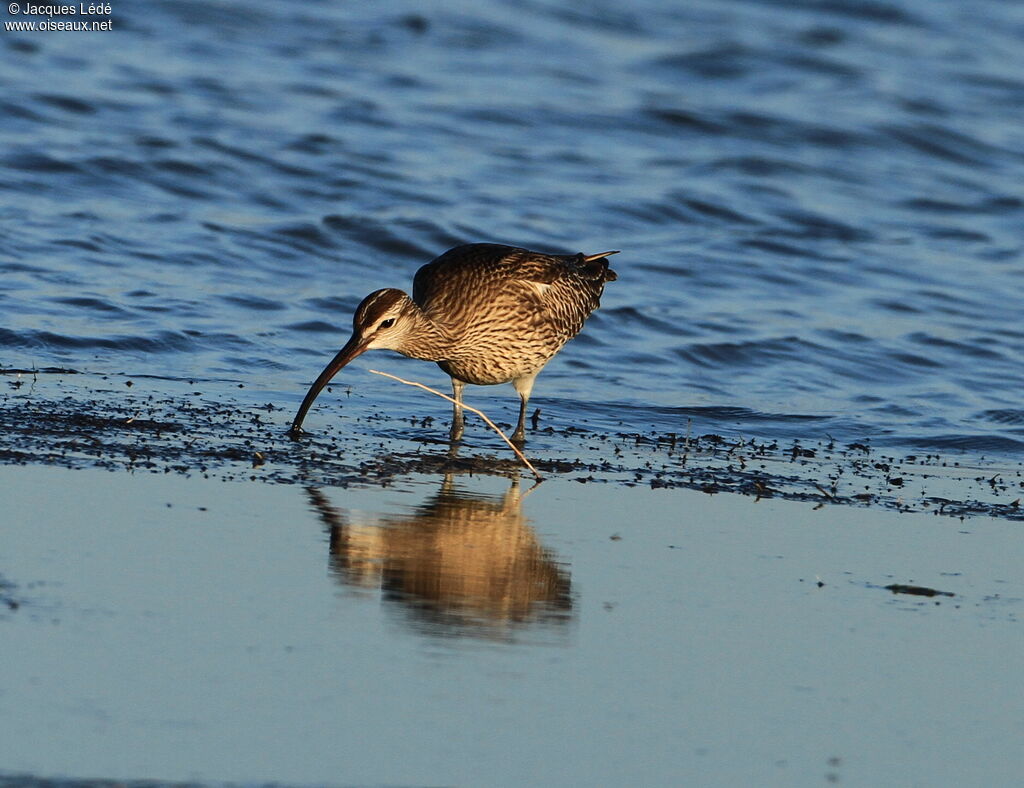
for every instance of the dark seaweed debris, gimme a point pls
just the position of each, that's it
(8, 599)
(170, 427)
(899, 588)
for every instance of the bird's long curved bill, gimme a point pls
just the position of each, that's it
(353, 348)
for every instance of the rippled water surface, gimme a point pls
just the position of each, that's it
(819, 204)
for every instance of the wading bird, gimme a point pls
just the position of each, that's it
(486, 313)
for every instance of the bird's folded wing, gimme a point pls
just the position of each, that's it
(475, 266)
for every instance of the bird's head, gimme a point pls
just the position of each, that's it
(382, 321)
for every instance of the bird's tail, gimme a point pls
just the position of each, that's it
(601, 270)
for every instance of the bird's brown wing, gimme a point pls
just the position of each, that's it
(473, 266)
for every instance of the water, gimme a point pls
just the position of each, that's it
(820, 214)
(818, 204)
(460, 633)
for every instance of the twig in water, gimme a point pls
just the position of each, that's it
(471, 409)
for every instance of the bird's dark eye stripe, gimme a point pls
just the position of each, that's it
(387, 323)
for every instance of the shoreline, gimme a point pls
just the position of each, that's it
(77, 420)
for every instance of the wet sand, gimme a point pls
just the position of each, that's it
(54, 417)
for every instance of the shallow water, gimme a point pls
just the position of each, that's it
(468, 632)
(819, 212)
(818, 205)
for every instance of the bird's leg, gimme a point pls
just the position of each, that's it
(453, 450)
(524, 386)
(457, 419)
(519, 436)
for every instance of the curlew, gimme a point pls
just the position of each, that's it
(485, 313)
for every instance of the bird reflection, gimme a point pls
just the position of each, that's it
(460, 564)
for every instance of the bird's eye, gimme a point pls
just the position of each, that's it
(387, 323)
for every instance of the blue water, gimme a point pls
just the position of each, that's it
(819, 203)
(209, 632)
